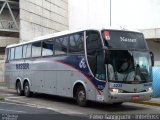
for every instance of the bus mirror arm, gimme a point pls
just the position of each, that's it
(152, 58)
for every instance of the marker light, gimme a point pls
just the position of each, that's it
(149, 89)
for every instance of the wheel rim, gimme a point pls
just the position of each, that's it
(81, 96)
(18, 90)
(26, 90)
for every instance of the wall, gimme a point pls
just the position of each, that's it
(4, 41)
(156, 82)
(5, 19)
(1, 71)
(41, 17)
(154, 46)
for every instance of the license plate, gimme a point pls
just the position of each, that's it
(135, 98)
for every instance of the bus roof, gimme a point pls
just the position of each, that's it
(69, 32)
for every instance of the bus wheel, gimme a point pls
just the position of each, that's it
(118, 103)
(27, 92)
(81, 96)
(19, 89)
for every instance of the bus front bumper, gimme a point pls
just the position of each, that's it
(129, 97)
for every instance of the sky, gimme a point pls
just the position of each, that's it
(135, 14)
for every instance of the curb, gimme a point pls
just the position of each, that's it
(153, 103)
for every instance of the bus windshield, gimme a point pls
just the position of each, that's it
(129, 66)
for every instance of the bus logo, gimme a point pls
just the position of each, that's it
(82, 63)
(135, 90)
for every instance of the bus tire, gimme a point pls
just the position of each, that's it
(19, 88)
(81, 96)
(118, 103)
(27, 91)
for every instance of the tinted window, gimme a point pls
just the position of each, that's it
(93, 42)
(100, 68)
(36, 49)
(95, 54)
(24, 51)
(76, 43)
(28, 51)
(18, 52)
(61, 45)
(12, 53)
(9, 53)
(47, 48)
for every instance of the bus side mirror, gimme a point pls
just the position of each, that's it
(152, 58)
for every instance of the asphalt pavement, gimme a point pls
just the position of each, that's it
(22, 111)
(10, 111)
(4, 92)
(49, 107)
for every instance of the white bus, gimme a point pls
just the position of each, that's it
(103, 65)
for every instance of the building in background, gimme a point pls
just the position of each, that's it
(41, 17)
(22, 20)
(153, 39)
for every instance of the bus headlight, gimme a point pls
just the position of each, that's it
(149, 89)
(116, 90)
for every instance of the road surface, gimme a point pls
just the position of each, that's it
(13, 111)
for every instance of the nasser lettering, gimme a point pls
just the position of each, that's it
(125, 39)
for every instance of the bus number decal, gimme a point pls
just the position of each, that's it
(117, 85)
(147, 84)
(22, 66)
(82, 63)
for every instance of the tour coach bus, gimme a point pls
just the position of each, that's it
(103, 65)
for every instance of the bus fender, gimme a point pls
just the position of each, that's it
(19, 79)
(81, 82)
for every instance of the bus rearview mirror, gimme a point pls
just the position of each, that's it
(152, 58)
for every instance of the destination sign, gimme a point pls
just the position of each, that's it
(124, 40)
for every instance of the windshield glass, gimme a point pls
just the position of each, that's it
(128, 66)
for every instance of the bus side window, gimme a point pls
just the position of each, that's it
(36, 49)
(101, 70)
(12, 53)
(28, 51)
(18, 52)
(76, 43)
(47, 48)
(24, 51)
(8, 52)
(95, 54)
(61, 45)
